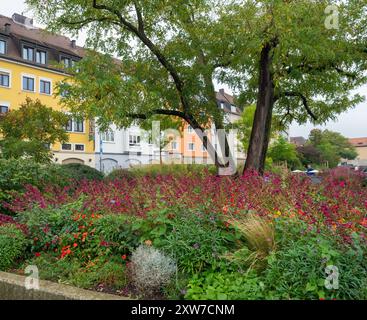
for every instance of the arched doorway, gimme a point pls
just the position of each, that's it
(109, 165)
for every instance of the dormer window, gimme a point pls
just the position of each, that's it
(233, 109)
(67, 62)
(41, 57)
(28, 53)
(2, 46)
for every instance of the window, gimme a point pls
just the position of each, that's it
(233, 108)
(222, 105)
(41, 57)
(108, 136)
(134, 140)
(69, 125)
(191, 146)
(2, 46)
(66, 62)
(203, 148)
(4, 79)
(66, 146)
(174, 145)
(79, 147)
(28, 83)
(4, 109)
(78, 126)
(45, 86)
(189, 129)
(28, 53)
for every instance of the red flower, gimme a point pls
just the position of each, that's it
(123, 257)
(75, 245)
(37, 254)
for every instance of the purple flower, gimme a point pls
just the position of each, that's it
(196, 246)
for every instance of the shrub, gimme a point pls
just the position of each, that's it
(297, 269)
(196, 241)
(82, 172)
(225, 285)
(150, 269)
(16, 174)
(12, 244)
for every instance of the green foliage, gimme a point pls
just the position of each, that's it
(13, 244)
(48, 225)
(297, 269)
(17, 173)
(156, 170)
(225, 285)
(109, 273)
(195, 242)
(283, 151)
(30, 130)
(81, 172)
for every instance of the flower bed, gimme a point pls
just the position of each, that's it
(251, 237)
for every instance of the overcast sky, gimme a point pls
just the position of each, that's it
(351, 124)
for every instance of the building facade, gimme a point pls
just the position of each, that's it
(361, 146)
(30, 60)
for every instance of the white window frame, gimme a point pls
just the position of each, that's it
(190, 129)
(107, 133)
(193, 146)
(74, 125)
(133, 144)
(39, 85)
(34, 81)
(5, 46)
(176, 145)
(39, 51)
(233, 108)
(9, 73)
(74, 147)
(5, 104)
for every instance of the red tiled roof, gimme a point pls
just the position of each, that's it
(358, 142)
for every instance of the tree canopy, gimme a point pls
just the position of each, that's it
(30, 130)
(279, 54)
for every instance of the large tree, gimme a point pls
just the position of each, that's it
(169, 53)
(278, 53)
(299, 62)
(31, 130)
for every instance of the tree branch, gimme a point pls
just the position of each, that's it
(304, 101)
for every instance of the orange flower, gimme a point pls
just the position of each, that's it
(148, 242)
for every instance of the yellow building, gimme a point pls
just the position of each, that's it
(28, 68)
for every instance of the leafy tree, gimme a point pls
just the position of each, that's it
(279, 54)
(308, 154)
(168, 62)
(332, 146)
(294, 66)
(244, 126)
(30, 130)
(282, 150)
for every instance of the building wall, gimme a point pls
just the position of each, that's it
(15, 95)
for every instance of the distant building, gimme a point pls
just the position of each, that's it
(298, 141)
(361, 146)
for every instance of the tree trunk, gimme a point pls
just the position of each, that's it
(260, 134)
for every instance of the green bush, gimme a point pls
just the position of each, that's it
(195, 242)
(165, 169)
(82, 172)
(225, 285)
(17, 173)
(297, 269)
(12, 244)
